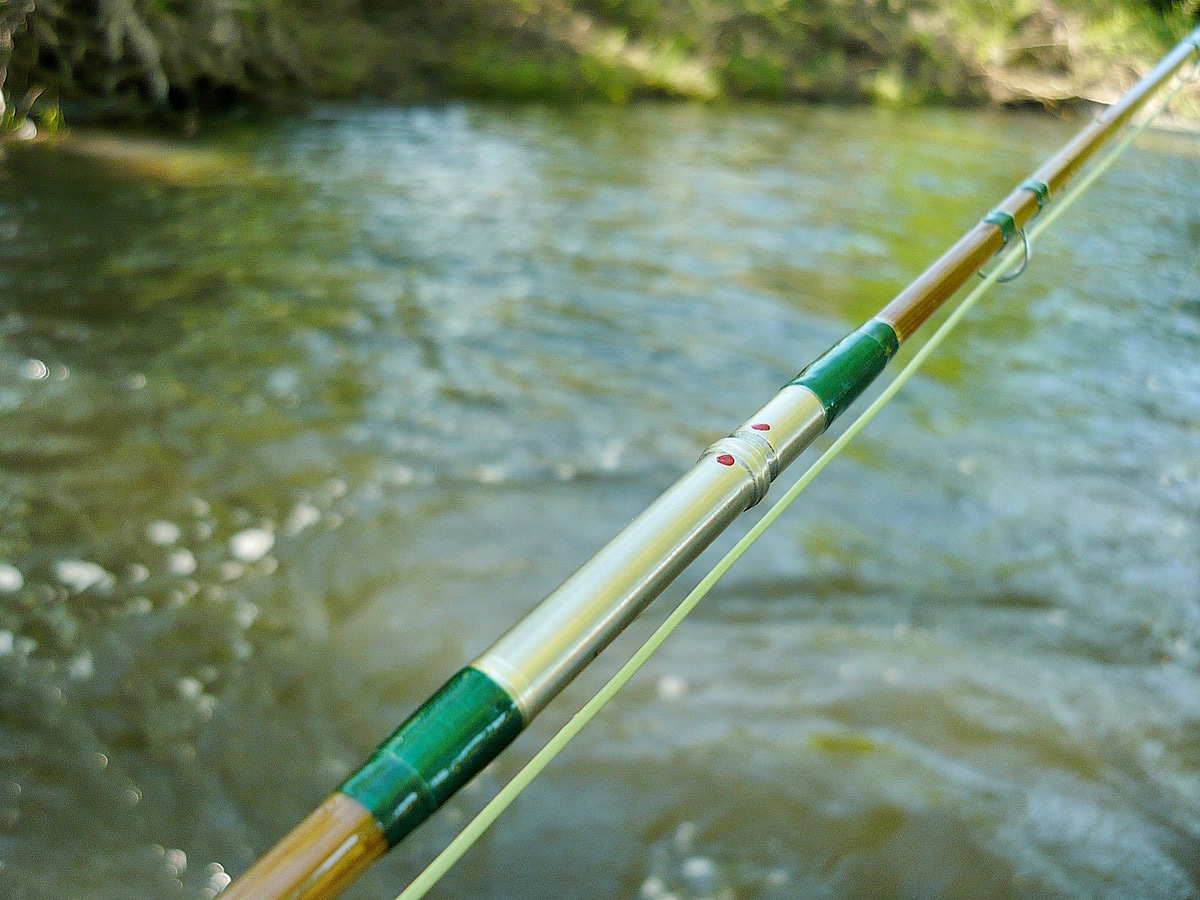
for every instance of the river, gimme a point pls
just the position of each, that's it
(296, 418)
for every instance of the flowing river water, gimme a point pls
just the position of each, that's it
(295, 419)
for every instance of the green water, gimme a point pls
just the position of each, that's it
(295, 420)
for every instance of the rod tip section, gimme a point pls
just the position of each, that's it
(319, 858)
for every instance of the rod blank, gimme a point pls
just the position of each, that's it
(484, 706)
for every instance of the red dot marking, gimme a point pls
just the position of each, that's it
(761, 426)
(725, 459)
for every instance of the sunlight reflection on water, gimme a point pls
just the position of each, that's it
(294, 424)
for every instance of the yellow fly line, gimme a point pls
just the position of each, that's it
(475, 829)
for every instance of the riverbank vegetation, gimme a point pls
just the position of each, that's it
(171, 58)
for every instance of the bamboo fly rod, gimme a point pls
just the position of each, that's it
(482, 708)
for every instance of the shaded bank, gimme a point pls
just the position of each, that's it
(122, 57)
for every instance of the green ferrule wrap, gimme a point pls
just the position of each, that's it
(437, 750)
(1002, 220)
(845, 370)
(1039, 189)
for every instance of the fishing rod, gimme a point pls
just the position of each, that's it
(482, 708)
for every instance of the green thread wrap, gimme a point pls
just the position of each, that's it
(422, 884)
(1039, 189)
(437, 750)
(844, 371)
(1002, 220)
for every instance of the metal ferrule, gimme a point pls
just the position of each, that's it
(792, 415)
(755, 458)
(540, 655)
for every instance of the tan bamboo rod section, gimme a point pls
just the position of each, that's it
(320, 858)
(483, 707)
(921, 299)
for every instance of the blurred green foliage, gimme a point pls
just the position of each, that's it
(168, 56)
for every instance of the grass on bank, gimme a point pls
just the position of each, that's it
(134, 57)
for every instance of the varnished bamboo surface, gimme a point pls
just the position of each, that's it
(916, 303)
(318, 858)
(330, 848)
